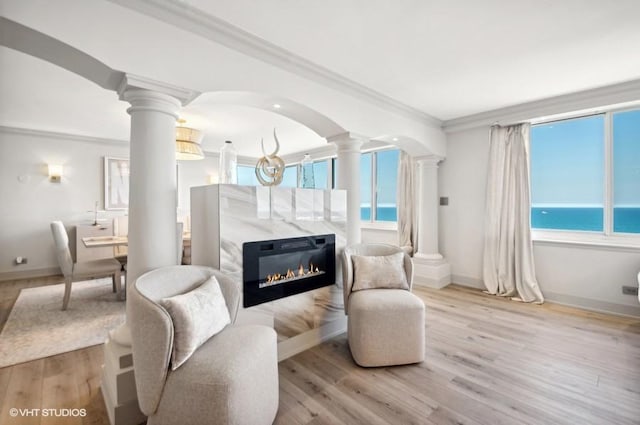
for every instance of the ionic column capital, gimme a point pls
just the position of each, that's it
(348, 142)
(430, 161)
(132, 83)
(148, 100)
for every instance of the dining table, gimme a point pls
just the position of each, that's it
(104, 241)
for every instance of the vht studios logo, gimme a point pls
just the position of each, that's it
(14, 412)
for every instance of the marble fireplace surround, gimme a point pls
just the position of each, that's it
(225, 216)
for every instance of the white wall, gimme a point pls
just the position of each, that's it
(387, 236)
(585, 276)
(28, 206)
(193, 173)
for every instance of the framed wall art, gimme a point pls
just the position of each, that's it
(116, 183)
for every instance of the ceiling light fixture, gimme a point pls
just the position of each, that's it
(395, 139)
(276, 105)
(188, 143)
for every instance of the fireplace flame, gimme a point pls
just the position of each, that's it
(291, 274)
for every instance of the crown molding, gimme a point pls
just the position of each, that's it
(319, 153)
(62, 136)
(189, 18)
(69, 137)
(593, 99)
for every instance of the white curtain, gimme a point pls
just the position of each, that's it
(508, 252)
(406, 204)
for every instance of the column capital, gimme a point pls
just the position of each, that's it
(147, 100)
(348, 142)
(429, 161)
(131, 82)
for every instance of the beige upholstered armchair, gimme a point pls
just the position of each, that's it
(386, 322)
(231, 379)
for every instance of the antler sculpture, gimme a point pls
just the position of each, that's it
(270, 168)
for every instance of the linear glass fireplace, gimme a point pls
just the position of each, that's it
(279, 268)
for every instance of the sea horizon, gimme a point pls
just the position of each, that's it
(582, 205)
(626, 217)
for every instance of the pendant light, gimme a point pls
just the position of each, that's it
(188, 143)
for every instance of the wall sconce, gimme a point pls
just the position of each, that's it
(55, 173)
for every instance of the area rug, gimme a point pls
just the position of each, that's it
(37, 327)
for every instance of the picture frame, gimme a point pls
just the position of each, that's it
(116, 183)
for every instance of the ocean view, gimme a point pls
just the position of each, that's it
(625, 219)
(383, 213)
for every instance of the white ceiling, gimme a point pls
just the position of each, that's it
(446, 58)
(452, 58)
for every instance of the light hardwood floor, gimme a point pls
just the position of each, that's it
(489, 361)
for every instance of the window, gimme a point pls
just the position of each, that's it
(626, 172)
(378, 181)
(366, 188)
(247, 176)
(574, 161)
(320, 171)
(386, 187)
(334, 172)
(290, 176)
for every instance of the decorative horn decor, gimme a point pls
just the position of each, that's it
(270, 168)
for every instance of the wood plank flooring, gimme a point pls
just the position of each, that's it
(489, 361)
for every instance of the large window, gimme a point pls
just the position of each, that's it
(290, 176)
(626, 172)
(585, 174)
(386, 187)
(366, 187)
(247, 176)
(378, 181)
(320, 174)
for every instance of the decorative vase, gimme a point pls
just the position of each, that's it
(228, 164)
(307, 179)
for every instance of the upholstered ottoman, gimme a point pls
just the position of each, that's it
(386, 327)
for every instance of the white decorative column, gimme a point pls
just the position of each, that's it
(152, 181)
(152, 239)
(431, 269)
(349, 145)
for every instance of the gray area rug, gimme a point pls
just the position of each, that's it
(37, 327)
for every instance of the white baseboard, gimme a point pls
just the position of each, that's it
(299, 343)
(469, 281)
(564, 299)
(593, 305)
(30, 274)
(430, 282)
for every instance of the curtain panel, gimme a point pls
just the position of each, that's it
(406, 202)
(508, 266)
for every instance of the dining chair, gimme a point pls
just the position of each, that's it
(121, 228)
(74, 272)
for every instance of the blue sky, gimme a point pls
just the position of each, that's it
(567, 161)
